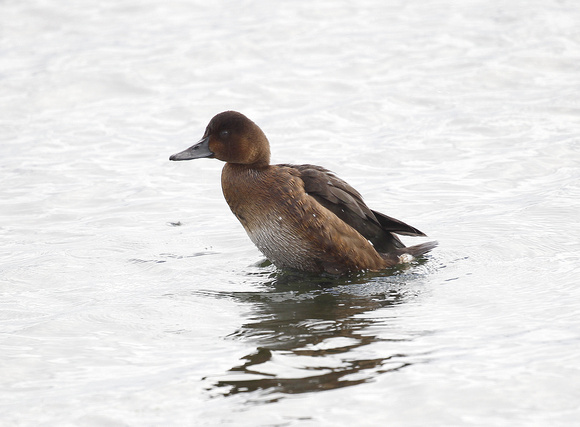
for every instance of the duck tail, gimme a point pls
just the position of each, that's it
(407, 254)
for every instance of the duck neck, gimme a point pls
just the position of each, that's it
(238, 170)
(241, 182)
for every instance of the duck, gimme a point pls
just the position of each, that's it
(301, 217)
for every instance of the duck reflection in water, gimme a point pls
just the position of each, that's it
(310, 333)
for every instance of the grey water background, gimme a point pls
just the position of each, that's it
(131, 296)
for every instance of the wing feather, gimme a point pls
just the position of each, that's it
(345, 202)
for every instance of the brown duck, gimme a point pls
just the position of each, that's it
(299, 216)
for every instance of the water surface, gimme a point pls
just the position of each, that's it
(130, 295)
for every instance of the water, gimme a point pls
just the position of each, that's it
(130, 295)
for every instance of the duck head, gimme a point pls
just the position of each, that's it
(233, 138)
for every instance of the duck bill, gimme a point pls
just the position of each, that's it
(197, 151)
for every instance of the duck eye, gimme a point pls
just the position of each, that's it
(225, 133)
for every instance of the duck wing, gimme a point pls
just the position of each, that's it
(345, 202)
